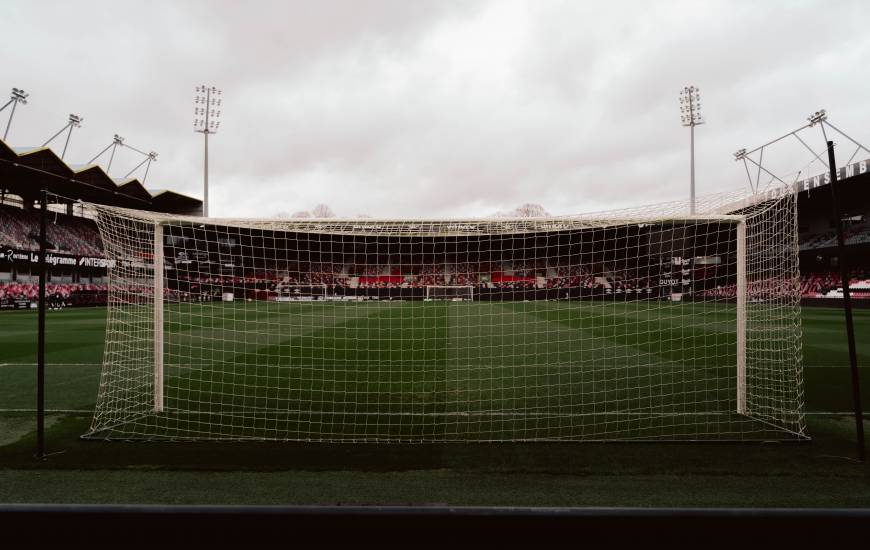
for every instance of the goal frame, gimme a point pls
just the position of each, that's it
(739, 220)
(469, 287)
(312, 286)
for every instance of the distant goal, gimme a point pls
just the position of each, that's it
(449, 292)
(646, 324)
(300, 293)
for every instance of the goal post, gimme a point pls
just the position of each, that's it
(741, 316)
(158, 317)
(643, 324)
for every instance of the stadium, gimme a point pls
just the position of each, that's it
(376, 270)
(497, 329)
(648, 368)
(621, 326)
(426, 288)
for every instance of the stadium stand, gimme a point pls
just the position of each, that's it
(79, 236)
(829, 284)
(813, 285)
(69, 234)
(266, 284)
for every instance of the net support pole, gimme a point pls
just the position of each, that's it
(847, 304)
(741, 317)
(158, 317)
(40, 345)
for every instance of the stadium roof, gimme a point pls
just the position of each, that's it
(25, 171)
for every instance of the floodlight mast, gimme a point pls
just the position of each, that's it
(149, 158)
(206, 112)
(75, 121)
(18, 96)
(117, 141)
(818, 118)
(690, 115)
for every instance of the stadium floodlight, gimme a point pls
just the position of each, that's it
(690, 115)
(149, 158)
(206, 113)
(411, 331)
(817, 117)
(18, 96)
(75, 121)
(117, 141)
(743, 155)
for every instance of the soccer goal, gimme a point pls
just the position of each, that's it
(646, 324)
(300, 293)
(450, 292)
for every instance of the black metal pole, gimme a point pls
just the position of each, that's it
(847, 304)
(40, 345)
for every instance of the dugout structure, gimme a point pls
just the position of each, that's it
(643, 324)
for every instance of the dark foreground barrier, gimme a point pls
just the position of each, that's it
(411, 527)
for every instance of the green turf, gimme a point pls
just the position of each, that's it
(815, 474)
(75, 346)
(416, 371)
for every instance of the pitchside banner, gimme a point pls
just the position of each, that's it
(11, 255)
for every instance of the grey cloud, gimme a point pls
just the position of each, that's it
(395, 108)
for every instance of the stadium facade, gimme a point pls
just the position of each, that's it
(78, 263)
(76, 260)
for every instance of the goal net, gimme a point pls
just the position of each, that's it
(453, 293)
(641, 324)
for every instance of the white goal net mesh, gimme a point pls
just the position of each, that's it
(642, 324)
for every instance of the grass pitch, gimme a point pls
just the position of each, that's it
(816, 474)
(75, 340)
(414, 371)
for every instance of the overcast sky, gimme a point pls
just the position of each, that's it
(419, 108)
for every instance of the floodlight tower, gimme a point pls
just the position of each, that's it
(117, 141)
(690, 109)
(75, 121)
(819, 117)
(18, 96)
(207, 113)
(149, 158)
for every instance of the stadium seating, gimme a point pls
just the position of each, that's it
(812, 285)
(15, 228)
(67, 234)
(819, 285)
(79, 236)
(853, 234)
